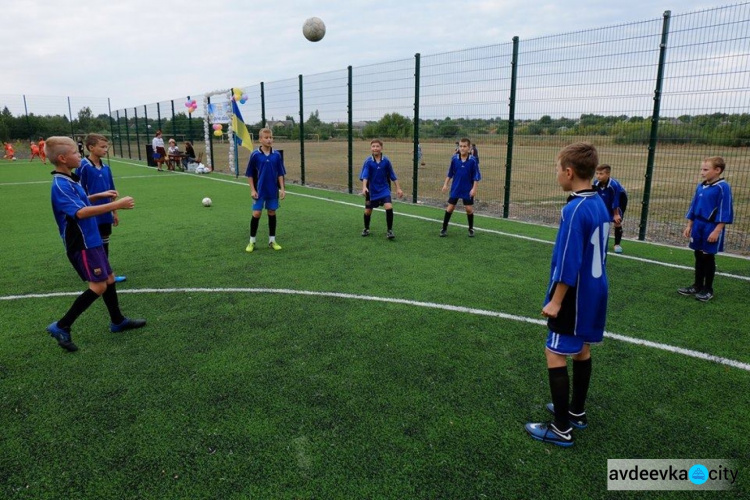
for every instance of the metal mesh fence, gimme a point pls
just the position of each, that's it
(705, 113)
(577, 87)
(465, 94)
(655, 97)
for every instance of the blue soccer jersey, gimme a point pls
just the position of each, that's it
(96, 180)
(611, 193)
(68, 197)
(378, 175)
(712, 203)
(578, 260)
(464, 173)
(265, 169)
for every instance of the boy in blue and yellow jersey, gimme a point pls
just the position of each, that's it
(464, 170)
(265, 173)
(377, 174)
(76, 221)
(615, 199)
(710, 211)
(96, 177)
(576, 302)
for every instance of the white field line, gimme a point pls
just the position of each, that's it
(430, 305)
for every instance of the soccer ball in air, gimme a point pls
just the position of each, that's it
(314, 29)
(207, 201)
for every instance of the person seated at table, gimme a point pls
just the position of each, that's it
(189, 154)
(172, 151)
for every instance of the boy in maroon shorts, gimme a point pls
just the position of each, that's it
(76, 220)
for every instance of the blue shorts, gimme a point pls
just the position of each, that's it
(566, 345)
(91, 264)
(467, 201)
(270, 203)
(377, 203)
(699, 237)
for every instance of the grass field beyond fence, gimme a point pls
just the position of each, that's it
(342, 366)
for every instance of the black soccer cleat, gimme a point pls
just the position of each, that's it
(443, 233)
(365, 232)
(62, 335)
(688, 290)
(471, 233)
(127, 324)
(390, 235)
(704, 295)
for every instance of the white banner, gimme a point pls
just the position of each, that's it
(218, 112)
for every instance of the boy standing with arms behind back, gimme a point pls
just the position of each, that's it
(710, 210)
(576, 302)
(265, 173)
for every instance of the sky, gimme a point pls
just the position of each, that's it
(139, 52)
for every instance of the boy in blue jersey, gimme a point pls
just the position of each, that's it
(615, 199)
(96, 177)
(464, 170)
(377, 174)
(576, 302)
(710, 211)
(76, 221)
(265, 174)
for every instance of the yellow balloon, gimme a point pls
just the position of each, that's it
(217, 133)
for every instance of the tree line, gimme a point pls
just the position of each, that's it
(721, 129)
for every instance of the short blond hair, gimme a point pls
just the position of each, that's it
(716, 162)
(58, 145)
(265, 130)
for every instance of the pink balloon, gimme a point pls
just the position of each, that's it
(193, 102)
(217, 126)
(187, 104)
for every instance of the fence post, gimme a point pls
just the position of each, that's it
(654, 126)
(26, 111)
(111, 126)
(70, 114)
(262, 105)
(511, 127)
(127, 133)
(137, 133)
(145, 117)
(301, 132)
(350, 133)
(190, 124)
(211, 143)
(158, 115)
(119, 133)
(174, 127)
(415, 155)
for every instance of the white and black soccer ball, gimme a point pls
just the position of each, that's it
(207, 202)
(314, 29)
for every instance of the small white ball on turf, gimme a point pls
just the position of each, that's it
(207, 202)
(314, 29)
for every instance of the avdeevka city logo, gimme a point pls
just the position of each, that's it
(698, 474)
